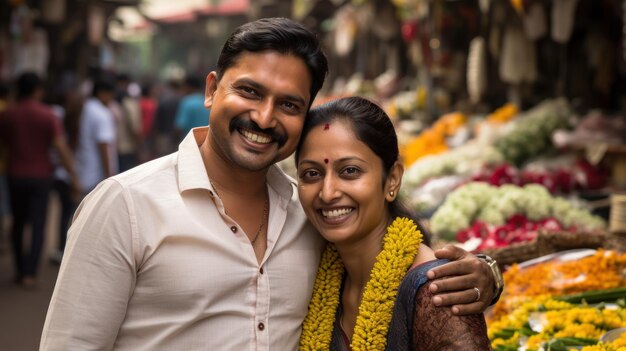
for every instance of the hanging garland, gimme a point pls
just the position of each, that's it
(400, 246)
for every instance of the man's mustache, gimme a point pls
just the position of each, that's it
(240, 123)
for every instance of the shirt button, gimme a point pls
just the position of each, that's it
(261, 270)
(261, 326)
(234, 229)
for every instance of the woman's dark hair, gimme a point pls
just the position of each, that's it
(372, 126)
(281, 35)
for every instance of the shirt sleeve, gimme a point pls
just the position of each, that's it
(97, 275)
(56, 126)
(438, 329)
(105, 130)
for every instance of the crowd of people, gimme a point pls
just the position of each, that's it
(66, 140)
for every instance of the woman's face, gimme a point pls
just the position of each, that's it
(341, 184)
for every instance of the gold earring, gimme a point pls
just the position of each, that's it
(391, 193)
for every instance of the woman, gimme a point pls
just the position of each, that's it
(370, 292)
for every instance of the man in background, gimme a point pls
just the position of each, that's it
(191, 111)
(29, 129)
(163, 132)
(5, 208)
(128, 121)
(96, 152)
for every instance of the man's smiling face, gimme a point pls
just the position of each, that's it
(258, 108)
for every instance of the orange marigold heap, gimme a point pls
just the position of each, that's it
(503, 114)
(603, 270)
(433, 140)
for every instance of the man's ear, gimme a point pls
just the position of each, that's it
(211, 87)
(394, 181)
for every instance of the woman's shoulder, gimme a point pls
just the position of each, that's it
(424, 254)
(416, 276)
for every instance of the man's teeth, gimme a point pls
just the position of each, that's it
(257, 138)
(336, 213)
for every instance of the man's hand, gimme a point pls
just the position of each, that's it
(454, 282)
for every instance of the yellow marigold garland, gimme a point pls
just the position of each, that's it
(400, 246)
(318, 327)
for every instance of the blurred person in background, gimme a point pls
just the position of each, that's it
(29, 129)
(147, 106)
(96, 151)
(163, 131)
(5, 208)
(68, 108)
(127, 114)
(191, 111)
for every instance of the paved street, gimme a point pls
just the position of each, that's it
(23, 311)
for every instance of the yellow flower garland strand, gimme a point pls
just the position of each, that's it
(318, 327)
(400, 246)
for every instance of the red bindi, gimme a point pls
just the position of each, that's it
(325, 160)
(326, 126)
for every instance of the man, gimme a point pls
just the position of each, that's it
(127, 113)
(208, 248)
(96, 152)
(5, 209)
(29, 129)
(164, 130)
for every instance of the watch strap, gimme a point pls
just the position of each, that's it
(498, 290)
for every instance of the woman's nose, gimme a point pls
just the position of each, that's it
(329, 191)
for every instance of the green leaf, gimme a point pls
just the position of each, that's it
(597, 296)
(505, 333)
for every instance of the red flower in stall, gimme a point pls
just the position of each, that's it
(503, 174)
(551, 224)
(564, 181)
(518, 220)
(478, 230)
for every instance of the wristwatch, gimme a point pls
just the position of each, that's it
(497, 276)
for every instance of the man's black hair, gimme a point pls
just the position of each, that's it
(281, 35)
(27, 84)
(102, 85)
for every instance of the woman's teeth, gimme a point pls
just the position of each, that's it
(336, 213)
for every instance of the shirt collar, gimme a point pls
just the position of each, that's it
(192, 174)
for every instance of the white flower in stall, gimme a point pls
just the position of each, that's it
(491, 215)
(448, 221)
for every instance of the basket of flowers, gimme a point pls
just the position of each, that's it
(520, 252)
(515, 223)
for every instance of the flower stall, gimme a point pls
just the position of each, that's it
(564, 301)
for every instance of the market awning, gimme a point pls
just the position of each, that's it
(167, 11)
